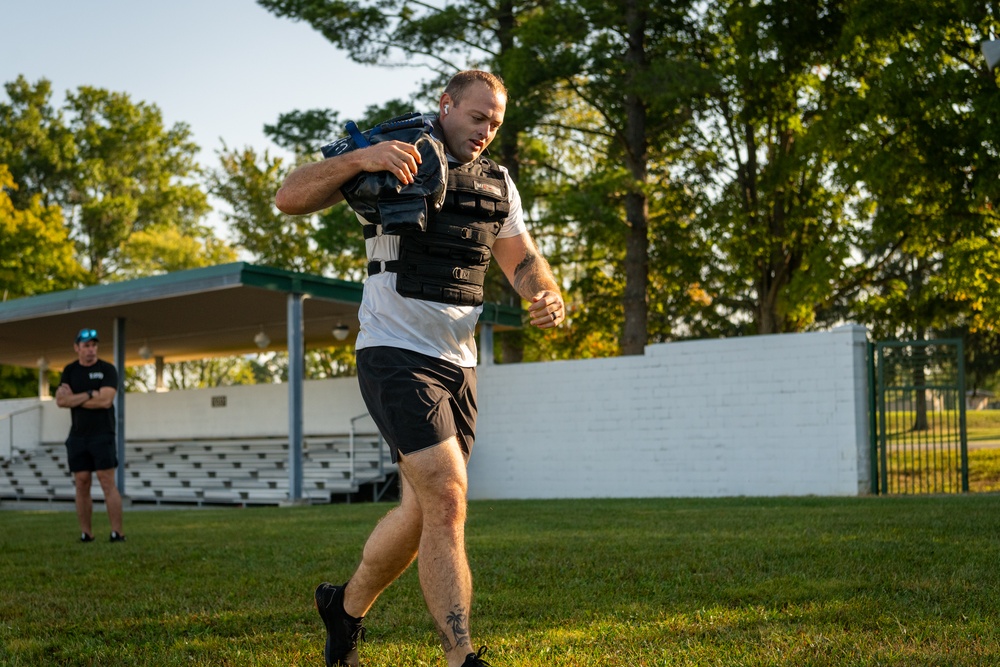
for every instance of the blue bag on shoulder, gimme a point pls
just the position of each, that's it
(379, 197)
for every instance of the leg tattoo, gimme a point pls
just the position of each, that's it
(459, 630)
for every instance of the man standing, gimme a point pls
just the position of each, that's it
(88, 387)
(416, 352)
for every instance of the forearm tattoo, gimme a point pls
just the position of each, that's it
(457, 633)
(530, 275)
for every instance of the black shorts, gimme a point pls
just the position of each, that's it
(91, 452)
(417, 401)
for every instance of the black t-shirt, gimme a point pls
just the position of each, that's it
(87, 422)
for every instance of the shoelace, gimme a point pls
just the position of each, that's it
(476, 659)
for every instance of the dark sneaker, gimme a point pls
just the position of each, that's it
(343, 632)
(86, 537)
(116, 537)
(476, 659)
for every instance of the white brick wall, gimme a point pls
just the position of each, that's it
(761, 416)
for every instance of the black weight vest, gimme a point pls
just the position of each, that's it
(447, 263)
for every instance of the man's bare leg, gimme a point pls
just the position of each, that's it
(84, 503)
(390, 549)
(112, 499)
(439, 479)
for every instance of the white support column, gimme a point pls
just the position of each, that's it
(43, 379)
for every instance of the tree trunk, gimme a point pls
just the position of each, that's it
(512, 343)
(920, 383)
(635, 332)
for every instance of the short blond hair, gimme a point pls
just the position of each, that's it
(460, 83)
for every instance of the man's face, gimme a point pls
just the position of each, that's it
(87, 352)
(470, 126)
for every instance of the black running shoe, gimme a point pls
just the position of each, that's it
(116, 537)
(476, 659)
(86, 537)
(343, 632)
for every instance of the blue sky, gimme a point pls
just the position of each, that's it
(224, 67)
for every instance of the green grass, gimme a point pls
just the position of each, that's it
(810, 581)
(982, 419)
(984, 470)
(981, 426)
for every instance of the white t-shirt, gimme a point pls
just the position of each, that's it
(436, 329)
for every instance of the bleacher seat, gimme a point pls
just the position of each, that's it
(220, 471)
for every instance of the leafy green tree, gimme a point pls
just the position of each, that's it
(626, 88)
(919, 133)
(98, 190)
(166, 248)
(247, 182)
(203, 373)
(133, 174)
(732, 167)
(776, 232)
(36, 145)
(303, 132)
(112, 167)
(36, 254)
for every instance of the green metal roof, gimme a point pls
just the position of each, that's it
(193, 314)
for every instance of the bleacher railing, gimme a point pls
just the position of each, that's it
(7, 431)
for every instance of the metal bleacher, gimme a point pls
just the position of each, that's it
(238, 471)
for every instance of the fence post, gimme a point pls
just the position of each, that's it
(873, 419)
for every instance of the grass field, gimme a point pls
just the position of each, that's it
(750, 582)
(982, 426)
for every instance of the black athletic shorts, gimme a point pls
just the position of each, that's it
(417, 401)
(91, 452)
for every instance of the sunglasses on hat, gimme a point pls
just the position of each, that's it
(86, 334)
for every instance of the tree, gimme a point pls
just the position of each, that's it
(36, 145)
(36, 254)
(920, 134)
(112, 167)
(776, 232)
(733, 168)
(629, 66)
(247, 183)
(100, 179)
(166, 248)
(133, 174)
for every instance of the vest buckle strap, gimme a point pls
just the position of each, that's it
(460, 274)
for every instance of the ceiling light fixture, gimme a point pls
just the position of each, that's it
(261, 339)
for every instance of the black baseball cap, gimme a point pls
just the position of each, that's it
(87, 334)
